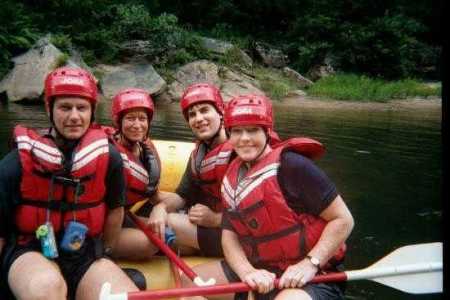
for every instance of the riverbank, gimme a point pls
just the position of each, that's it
(431, 103)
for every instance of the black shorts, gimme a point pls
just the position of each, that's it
(210, 241)
(73, 265)
(317, 291)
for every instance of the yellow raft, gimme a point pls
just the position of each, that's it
(158, 270)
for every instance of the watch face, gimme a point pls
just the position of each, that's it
(314, 261)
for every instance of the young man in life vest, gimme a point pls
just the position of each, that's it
(132, 113)
(61, 199)
(199, 189)
(282, 217)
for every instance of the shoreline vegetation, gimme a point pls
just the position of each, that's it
(349, 87)
(381, 53)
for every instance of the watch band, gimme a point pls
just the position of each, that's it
(314, 261)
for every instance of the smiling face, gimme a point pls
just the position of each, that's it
(204, 120)
(135, 125)
(71, 116)
(249, 142)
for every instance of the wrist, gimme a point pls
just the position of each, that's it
(243, 273)
(107, 251)
(314, 261)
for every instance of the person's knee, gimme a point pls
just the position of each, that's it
(174, 221)
(293, 294)
(48, 285)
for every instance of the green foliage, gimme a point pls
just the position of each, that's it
(392, 39)
(62, 60)
(389, 39)
(361, 88)
(274, 83)
(62, 41)
(17, 32)
(232, 57)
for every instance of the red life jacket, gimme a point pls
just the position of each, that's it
(46, 188)
(271, 233)
(141, 181)
(209, 169)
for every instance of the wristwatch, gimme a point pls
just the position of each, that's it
(314, 261)
(107, 251)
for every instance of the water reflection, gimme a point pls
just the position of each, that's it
(386, 164)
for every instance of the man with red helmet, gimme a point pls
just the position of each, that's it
(61, 199)
(199, 190)
(283, 217)
(132, 113)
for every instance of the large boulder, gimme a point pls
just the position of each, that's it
(234, 84)
(270, 56)
(26, 80)
(222, 48)
(230, 83)
(326, 68)
(302, 81)
(319, 71)
(216, 46)
(115, 78)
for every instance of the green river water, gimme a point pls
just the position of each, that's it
(385, 162)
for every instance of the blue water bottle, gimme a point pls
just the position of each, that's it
(169, 236)
(46, 235)
(74, 236)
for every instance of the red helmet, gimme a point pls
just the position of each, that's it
(131, 98)
(69, 81)
(249, 110)
(201, 92)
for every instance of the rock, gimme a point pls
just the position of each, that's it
(115, 78)
(136, 48)
(222, 48)
(230, 83)
(76, 60)
(216, 46)
(196, 71)
(270, 56)
(324, 69)
(234, 84)
(26, 79)
(296, 93)
(319, 71)
(302, 81)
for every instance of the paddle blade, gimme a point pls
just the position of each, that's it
(415, 269)
(425, 263)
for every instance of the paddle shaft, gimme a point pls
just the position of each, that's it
(163, 247)
(237, 287)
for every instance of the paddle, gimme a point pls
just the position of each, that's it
(170, 253)
(415, 269)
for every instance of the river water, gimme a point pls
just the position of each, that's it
(386, 164)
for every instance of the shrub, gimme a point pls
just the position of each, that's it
(362, 88)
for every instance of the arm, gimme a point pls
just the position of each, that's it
(10, 178)
(114, 199)
(167, 202)
(339, 225)
(259, 279)
(312, 192)
(113, 225)
(200, 214)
